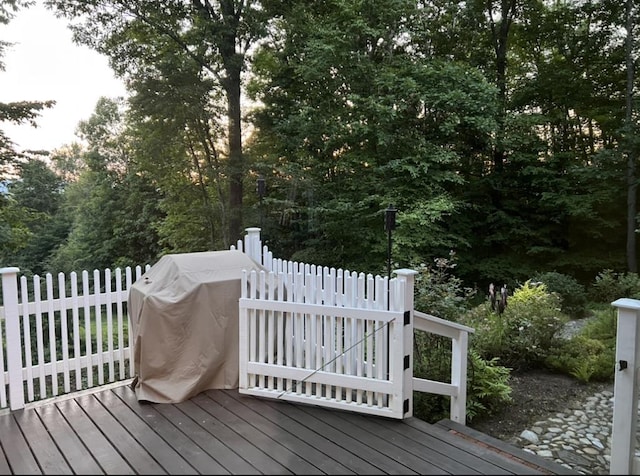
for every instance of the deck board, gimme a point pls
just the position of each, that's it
(44, 449)
(15, 447)
(180, 442)
(163, 453)
(339, 456)
(282, 432)
(229, 461)
(119, 438)
(104, 454)
(75, 452)
(224, 432)
(273, 449)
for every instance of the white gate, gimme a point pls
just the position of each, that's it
(326, 337)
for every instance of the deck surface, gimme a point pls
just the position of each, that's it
(222, 432)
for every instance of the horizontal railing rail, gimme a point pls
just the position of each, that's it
(457, 387)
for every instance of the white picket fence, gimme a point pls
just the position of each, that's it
(86, 342)
(337, 338)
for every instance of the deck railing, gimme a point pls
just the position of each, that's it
(343, 334)
(624, 440)
(74, 337)
(338, 338)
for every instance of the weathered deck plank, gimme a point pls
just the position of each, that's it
(223, 432)
(75, 453)
(196, 456)
(15, 447)
(340, 457)
(104, 454)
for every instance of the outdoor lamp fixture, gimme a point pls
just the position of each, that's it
(261, 188)
(389, 225)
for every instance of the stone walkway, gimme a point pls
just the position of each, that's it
(578, 438)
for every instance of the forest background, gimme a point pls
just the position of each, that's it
(505, 133)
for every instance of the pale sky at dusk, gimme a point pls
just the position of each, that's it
(45, 64)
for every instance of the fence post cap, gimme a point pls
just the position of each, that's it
(10, 269)
(626, 303)
(405, 272)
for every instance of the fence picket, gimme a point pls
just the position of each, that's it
(26, 330)
(53, 353)
(87, 328)
(109, 309)
(77, 351)
(119, 327)
(98, 308)
(3, 377)
(39, 336)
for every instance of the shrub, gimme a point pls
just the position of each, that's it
(523, 334)
(438, 291)
(609, 286)
(584, 358)
(590, 355)
(487, 382)
(573, 296)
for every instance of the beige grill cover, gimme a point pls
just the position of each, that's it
(184, 318)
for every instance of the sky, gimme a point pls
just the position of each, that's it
(45, 64)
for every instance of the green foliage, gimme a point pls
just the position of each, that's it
(609, 286)
(589, 355)
(488, 387)
(487, 382)
(584, 358)
(523, 334)
(573, 296)
(438, 291)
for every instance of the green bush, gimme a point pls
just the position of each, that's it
(487, 382)
(523, 334)
(584, 358)
(609, 286)
(438, 291)
(590, 355)
(573, 295)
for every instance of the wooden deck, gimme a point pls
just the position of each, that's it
(223, 432)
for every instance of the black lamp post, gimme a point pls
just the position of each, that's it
(389, 225)
(261, 188)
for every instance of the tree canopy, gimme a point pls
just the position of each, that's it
(502, 131)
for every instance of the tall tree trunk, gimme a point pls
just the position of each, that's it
(236, 165)
(500, 37)
(632, 264)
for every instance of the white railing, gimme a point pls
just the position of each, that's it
(625, 391)
(457, 387)
(324, 337)
(308, 332)
(339, 339)
(66, 340)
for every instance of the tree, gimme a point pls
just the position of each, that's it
(355, 119)
(630, 143)
(112, 208)
(14, 228)
(216, 36)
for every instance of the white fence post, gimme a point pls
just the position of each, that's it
(252, 245)
(625, 407)
(14, 344)
(408, 277)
